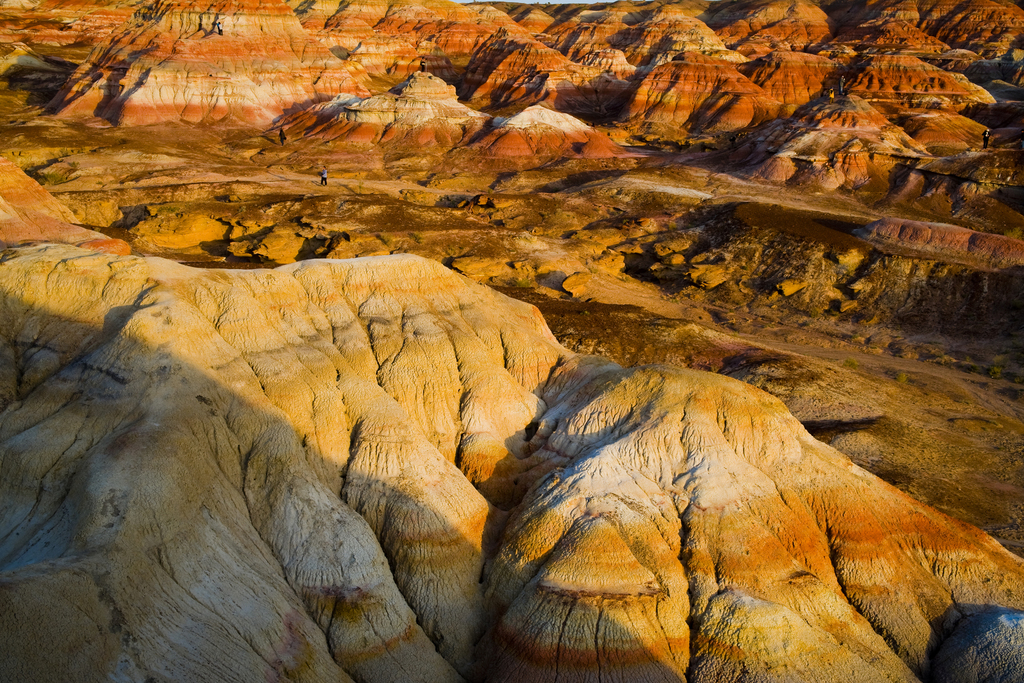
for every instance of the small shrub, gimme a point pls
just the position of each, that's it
(523, 283)
(851, 363)
(417, 237)
(995, 371)
(55, 177)
(388, 240)
(901, 377)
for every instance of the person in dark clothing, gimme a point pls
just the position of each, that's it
(984, 138)
(842, 86)
(280, 134)
(220, 29)
(323, 176)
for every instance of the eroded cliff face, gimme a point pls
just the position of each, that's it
(377, 470)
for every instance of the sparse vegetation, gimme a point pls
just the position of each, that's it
(902, 377)
(995, 371)
(851, 363)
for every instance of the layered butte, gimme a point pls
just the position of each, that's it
(170, 63)
(375, 470)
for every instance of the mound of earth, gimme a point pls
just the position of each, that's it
(540, 132)
(376, 470)
(422, 111)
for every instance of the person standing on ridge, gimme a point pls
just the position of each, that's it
(323, 176)
(831, 95)
(984, 138)
(842, 85)
(280, 134)
(220, 29)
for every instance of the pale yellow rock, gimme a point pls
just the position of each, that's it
(790, 287)
(299, 474)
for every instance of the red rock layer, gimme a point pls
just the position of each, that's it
(791, 77)
(909, 82)
(944, 242)
(381, 54)
(456, 29)
(890, 36)
(64, 22)
(788, 25)
(984, 26)
(700, 93)
(28, 213)
(168, 64)
(943, 133)
(511, 68)
(644, 38)
(532, 19)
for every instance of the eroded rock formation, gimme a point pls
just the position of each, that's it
(422, 111)
(28, 213)
(304, 474)
(698, 92)
(538, 132)
(169, 63)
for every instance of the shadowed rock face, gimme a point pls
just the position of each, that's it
(302, 474)
(511, 68)
(699, 93)
(167, 63)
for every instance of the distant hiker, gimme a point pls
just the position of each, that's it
(280, 134)
(423, 65)
(220, 29)
(984, 138)
(831, 95)
(323, 176)
(842, 85)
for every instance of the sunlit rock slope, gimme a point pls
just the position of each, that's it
(376, 470)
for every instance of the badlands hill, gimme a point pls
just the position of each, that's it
(376, 470)
(257, 427)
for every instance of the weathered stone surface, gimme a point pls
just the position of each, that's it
(983, 648)
(295, 474)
